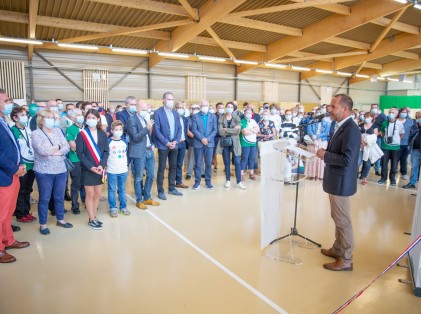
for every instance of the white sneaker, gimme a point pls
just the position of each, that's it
(227, 184)
(241, 186)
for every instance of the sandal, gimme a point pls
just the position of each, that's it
(125, 212)
(252, 176)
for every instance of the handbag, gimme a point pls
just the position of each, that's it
(226, 141)
(69, 165)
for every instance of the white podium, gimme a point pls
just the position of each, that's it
(415, 254)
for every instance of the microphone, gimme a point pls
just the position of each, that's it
(320, 117)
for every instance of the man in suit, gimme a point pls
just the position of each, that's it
(124, 115)
(142, 154)
(11, 168)
(340, 180)
(166, 137)
(182, 146)
(204, 128)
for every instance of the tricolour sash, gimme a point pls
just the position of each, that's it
(92, 146)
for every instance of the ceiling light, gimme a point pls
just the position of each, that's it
(406, 81)
(21, 41)
(343, 73)
(380, 78)
(417, 5)
(77, 46)
(128, 50)
(392, 79)
(209, 58)
(401, 1)
(246, 62)
(297, 68)
(173, 55)
(362, 75)
(275, 65)
(324, 71)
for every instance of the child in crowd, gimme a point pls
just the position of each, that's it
(117, 170)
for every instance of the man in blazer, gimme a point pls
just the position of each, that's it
(124, 115)
(204, 128)
(11, 168)
(166, 137)
(340, 180)
(142, 154)
(182, 146)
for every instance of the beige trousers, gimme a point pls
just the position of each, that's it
(344, 237)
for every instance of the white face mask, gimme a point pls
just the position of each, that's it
(54, 109)
(118, 133)
(91, 122)
(221, 111)
(112, 110)
(301, 110)
(248, 116)
(180, 111)
(170, 103)
(229, 110)
(143, 114)
(205, 109)
(288, 117)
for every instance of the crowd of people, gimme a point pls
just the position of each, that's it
(72, 150)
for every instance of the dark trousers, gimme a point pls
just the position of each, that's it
(227, 162)
(403, 159)
(163, 154)
(23, 203)
(180, 161)
(205, 153)
(75, 175)
(391, 155)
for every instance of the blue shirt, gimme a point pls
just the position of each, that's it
(171, 122)
(205, 123)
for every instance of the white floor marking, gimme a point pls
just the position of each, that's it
(216, 263)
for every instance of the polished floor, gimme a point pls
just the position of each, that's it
(200, 254)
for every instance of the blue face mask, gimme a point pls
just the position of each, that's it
(60, 106)
(100, 109)
(23, 120)
(80, 119)
(49, 123)
(419, 120)
(391, 116)
(132, 109)
(403, 115)
(7, 109)
(56, 123)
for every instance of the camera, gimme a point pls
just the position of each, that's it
(389, 140)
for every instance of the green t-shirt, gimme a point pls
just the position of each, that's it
(23, 137)
(71, 134)
(248, 140)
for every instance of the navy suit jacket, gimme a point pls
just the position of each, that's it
(123, 116)
(138, 137)
(9, 156)
(109, 118)
(161, 134)
(341, 159)
(198, 130)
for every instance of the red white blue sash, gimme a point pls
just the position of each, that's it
(92, 146)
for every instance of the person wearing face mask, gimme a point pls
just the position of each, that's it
(414, 145)
(392, 132)
(117, 170)
(52, 106)
(60, 105)
(267, 130)
(275, 117)
(369, 152)
(124, 115)
(110, 118)
(189, 160)
(11, 169)
(255, 116)
(22, 134)
(248, 140)
(204, 129)
(378, 118)
(166, 136)
(65, 120)
(71, 134)
(50, 148)
(403, 154)
(93, 151)
(219, 113)
(288, 127)
(182, 146)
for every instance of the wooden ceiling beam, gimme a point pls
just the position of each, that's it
(363, 12)
(32, 24)
(228, 43)
(335, 8)
(264, 26)
(128, 30)
(220, 42)
(321, 57)
(400, 66)
(194, 13)
(387, 47)
(406, 28)
(347, 43)
(209, 13)
(406, 55)
(387, 29)
(149, 5)
(285, 7)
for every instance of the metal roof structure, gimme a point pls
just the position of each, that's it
(365, 37)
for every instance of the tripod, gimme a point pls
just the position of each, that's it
(294, 230)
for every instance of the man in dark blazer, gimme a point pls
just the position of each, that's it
(166, 137)
(340, 180)
(204, 128)
(182, 146)
(142, 154)
(11, 168)
(124, 115)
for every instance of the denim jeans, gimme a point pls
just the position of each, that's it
(377, 164)
(226, 152)
(117, 181)
(415, 165)
(366, 169)
(403, 159)
(180, 161)
(205, 153)
(248, 157)
(50, 185)
(143, 191)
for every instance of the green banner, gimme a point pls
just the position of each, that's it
(387, 102)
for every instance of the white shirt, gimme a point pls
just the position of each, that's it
(399, 129)
(277, 120)
(143, 123)
(117, 159)
(103, 120)
(183, 136)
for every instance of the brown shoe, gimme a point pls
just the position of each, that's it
(151, 202)
(17, 245)
(339, 265)
(141, 205)
(182, 185)
(6, 257)
(329, 252)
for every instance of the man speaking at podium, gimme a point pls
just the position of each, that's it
(340, 180)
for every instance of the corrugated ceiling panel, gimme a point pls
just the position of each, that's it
(411, 16)
(386, 59)
(245, 34)
(15, 30)
(14, 5)
(326, 48)
(367, 33)
(203, 50)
